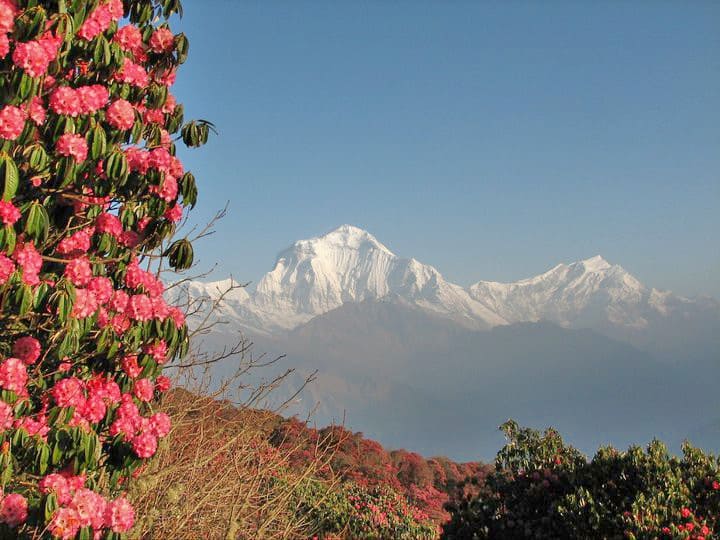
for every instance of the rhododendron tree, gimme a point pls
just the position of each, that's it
(544, 488)
(91, 190)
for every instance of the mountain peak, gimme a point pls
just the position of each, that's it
(345, 237)
(595, 264)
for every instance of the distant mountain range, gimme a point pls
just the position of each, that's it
(419, 362)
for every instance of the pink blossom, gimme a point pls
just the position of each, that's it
(69, 392)
(121, 114)
(79, 271)
(14, 510)
(90, 508)
(9, 215)
(6, 269)
(65, 523)
(130, 366)
(102, 288)
(66, 101)
(94, 408)
(6, 416)
(133, 74)
(27, 349)
(158, 351)
(162, 40)
(76, 244)
(174, 213)
(108, 223)
(8, 11)
(143, 389)
(36, 111)
(32, 58)
(72, 145)
(12, 122)
(129, 38)
(120, 515)
(13, 375)
(92, 98)
(141, 307)
(4, 45)
(144, 445)
(85, 304)
(58, 484)
(160, 424)
(162, 384)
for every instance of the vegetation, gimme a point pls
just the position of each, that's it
(543, 488)
(91, 192)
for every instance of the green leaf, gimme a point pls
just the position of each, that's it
(10, 176)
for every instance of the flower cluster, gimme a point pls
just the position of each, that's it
(90, 191)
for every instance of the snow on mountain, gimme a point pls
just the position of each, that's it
(579, 294)
(348, 264)
(315, 276)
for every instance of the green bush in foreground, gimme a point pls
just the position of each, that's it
(543, 488)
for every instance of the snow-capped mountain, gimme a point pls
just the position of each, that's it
(349, 265)
(581, 294)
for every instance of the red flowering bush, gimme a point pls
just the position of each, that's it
(90, 193)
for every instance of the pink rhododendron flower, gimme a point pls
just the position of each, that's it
(12, 122)
(27, 349)
(9, 215)
(160, 424)
(102, 288)
(144, 445)
(158, 351)
(92, 98)
(108, 223)
(120, 515)
(4, 45)
(94, 408)
(56, 483)
(13, 510)
(6, 416)
(129, 38)
(162, 384)
(13, 375)
(8, 11)
(66, 101)
(133, 74)
(85, 304)
(69, 392)
(65, 523)
(121, 114)
(36, 111)
(79, 271)
(90, 508)
(130, 366)
(72, 145)
(75, 244)
(141, 308)
(7, 267)
(32, 58)
(162, 40)
(143, 389)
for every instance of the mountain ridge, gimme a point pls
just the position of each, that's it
(348, 264)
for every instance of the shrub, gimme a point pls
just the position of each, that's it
(542, 488)
(91, 191)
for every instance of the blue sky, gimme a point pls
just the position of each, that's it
(489, 139)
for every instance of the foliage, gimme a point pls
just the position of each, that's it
(427, 484)
(543, 488)
(352, 511)
(91, 194)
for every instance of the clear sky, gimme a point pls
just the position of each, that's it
(489, 139)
